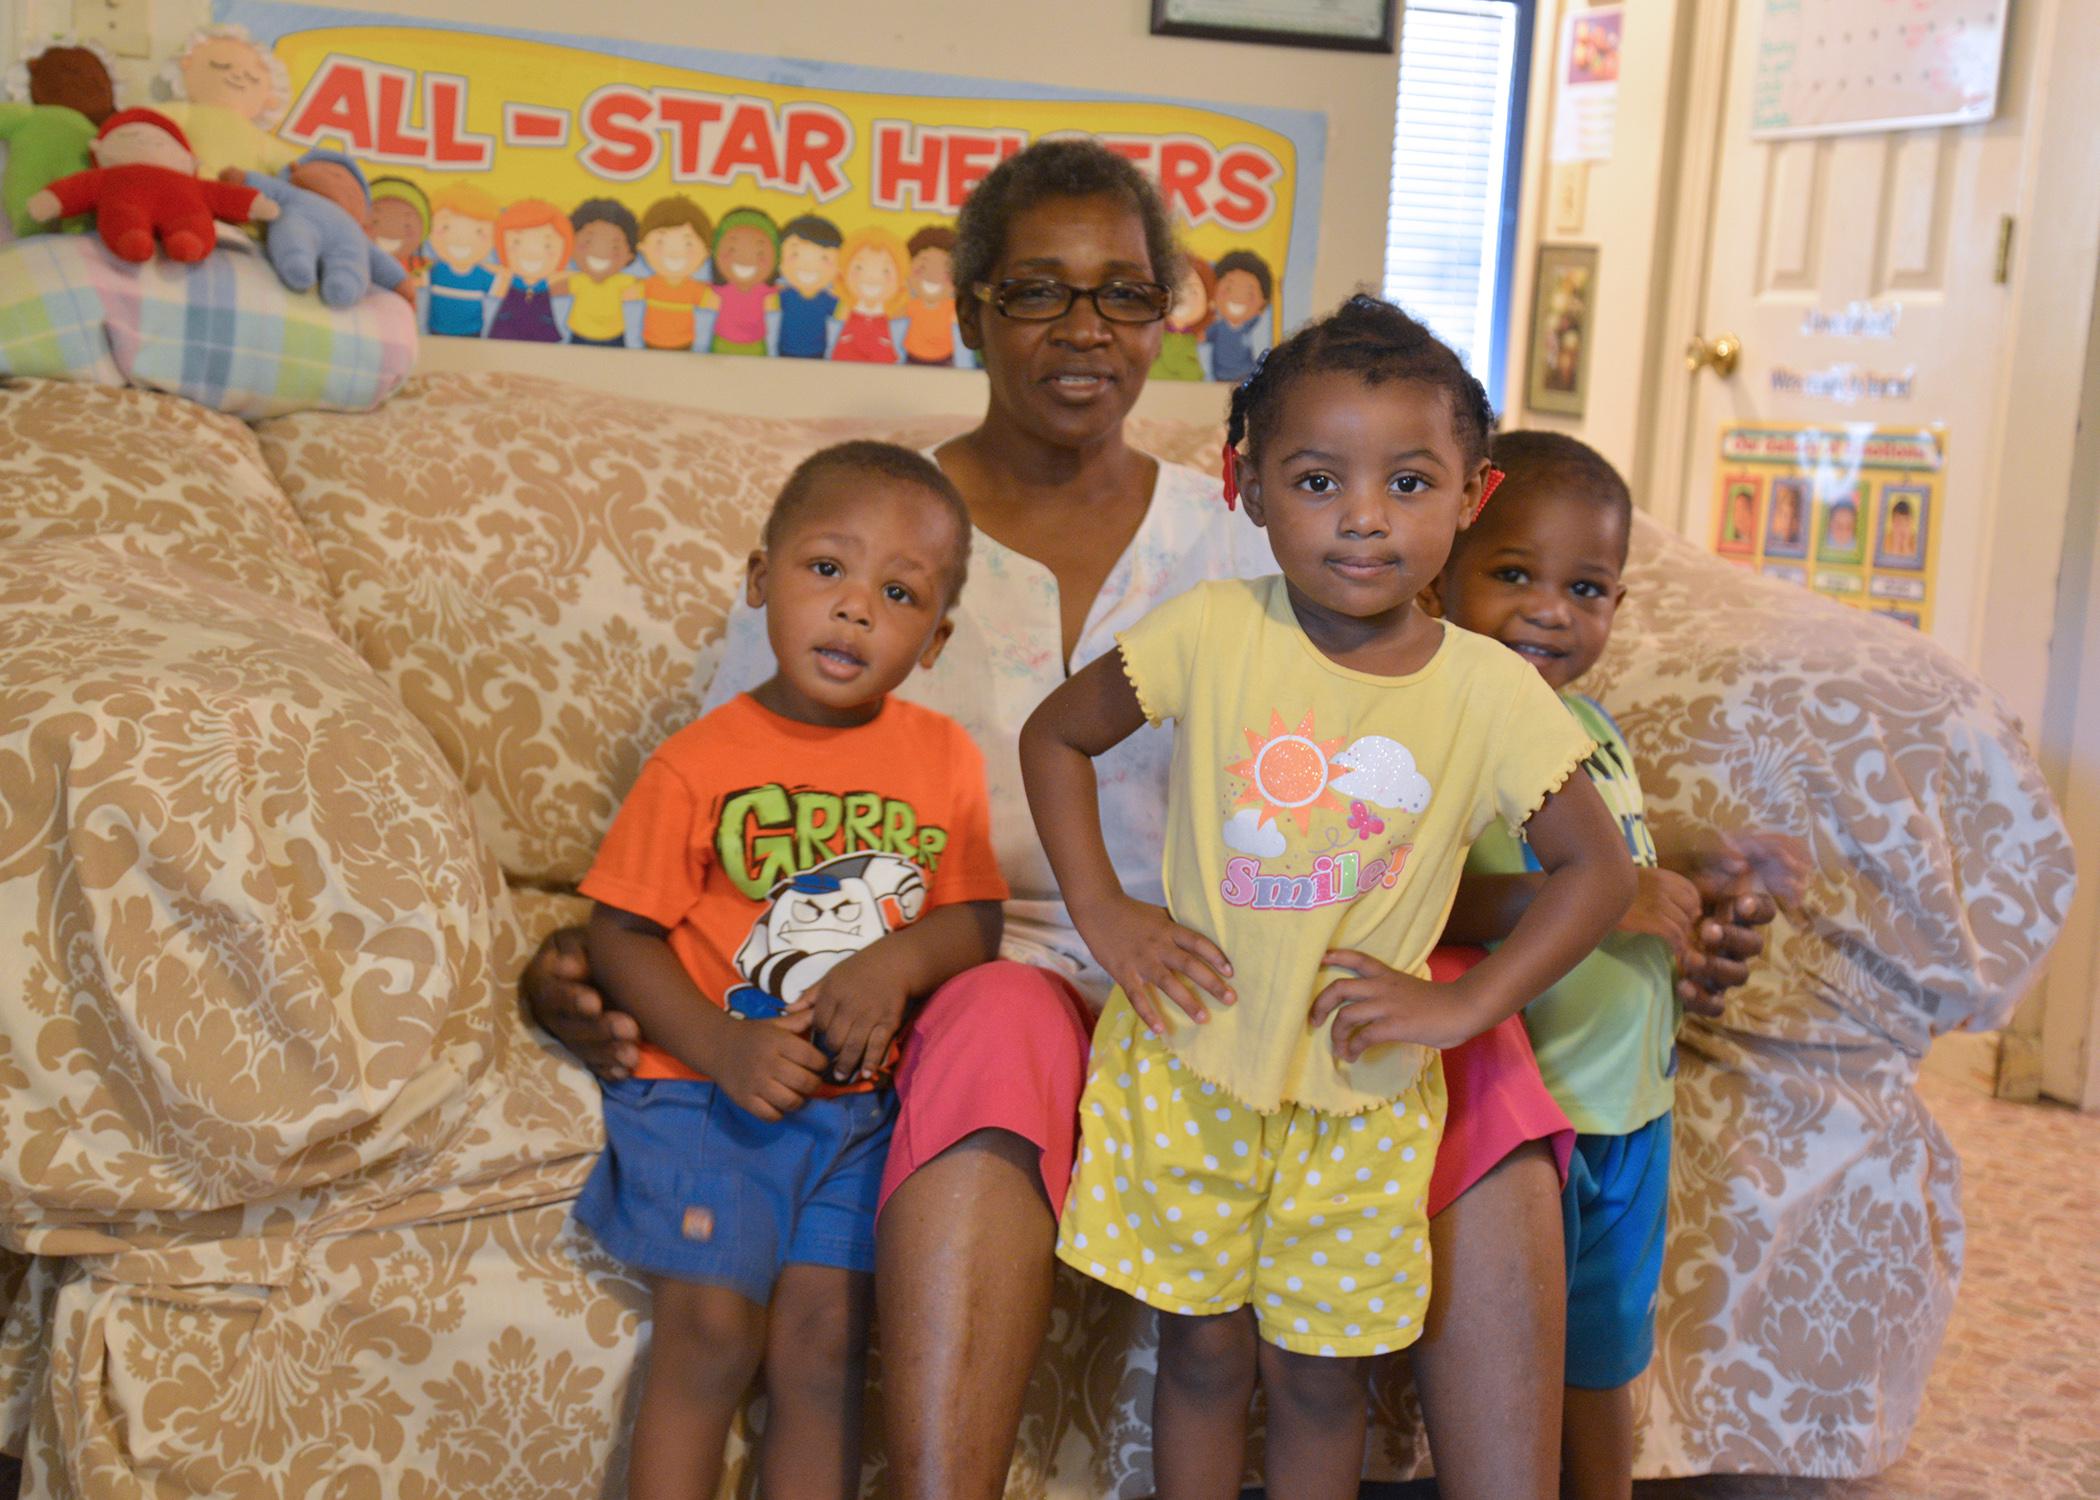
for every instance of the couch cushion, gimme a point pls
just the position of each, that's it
(250, 945)
(81, 460)
(540, 572)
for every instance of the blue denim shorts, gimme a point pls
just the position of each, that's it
(694, 1188)
(1615, 1208)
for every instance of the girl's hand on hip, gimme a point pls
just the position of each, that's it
(1148, 953)
(1382, 1004)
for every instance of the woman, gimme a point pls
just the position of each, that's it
(1063, 266)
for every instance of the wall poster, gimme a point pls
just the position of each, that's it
(560, 189)
(1850, 511)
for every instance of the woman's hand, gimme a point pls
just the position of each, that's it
(556, 985)
(1382, 1004)
(1665, 905)
(1144, 949)
(1742, 883)
(769, 1068)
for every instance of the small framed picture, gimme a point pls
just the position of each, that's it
(1349, 25)
(1564, 297)
(1840, 535)
(1735, 531)
(1905, 520)
(1786, 518)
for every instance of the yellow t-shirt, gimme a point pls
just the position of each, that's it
(1313, 807)
(597, 309)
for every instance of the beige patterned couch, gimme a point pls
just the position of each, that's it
(305, 733)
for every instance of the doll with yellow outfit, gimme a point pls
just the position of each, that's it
(1255, 1155)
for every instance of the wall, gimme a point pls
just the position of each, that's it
(1628, 215)
(1085, 43)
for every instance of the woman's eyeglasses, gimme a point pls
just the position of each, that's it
(1038, 299)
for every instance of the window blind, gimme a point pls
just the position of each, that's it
(1444, 224)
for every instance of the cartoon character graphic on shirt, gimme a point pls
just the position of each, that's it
(1288, 774)
(816, 920)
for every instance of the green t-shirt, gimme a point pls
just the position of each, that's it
(1606, 1036)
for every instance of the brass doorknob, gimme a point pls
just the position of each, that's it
(1721, 354)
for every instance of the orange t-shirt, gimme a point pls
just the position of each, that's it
(929, 334)
(773, 850)
(667, 312)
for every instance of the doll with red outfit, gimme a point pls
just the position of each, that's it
(144, 185)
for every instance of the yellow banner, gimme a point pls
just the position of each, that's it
(564, 124)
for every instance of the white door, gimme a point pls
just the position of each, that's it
(1861, 276)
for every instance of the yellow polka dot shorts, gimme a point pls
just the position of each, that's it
(1189, 1201)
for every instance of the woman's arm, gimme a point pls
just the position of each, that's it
(1589, 883)
(1140, 946)
(767, 1067)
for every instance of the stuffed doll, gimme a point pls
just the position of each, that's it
(143, 184)
(57, 100)
(323, 229)
(225, 92)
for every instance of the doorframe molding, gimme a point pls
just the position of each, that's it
(1667, 450)
(2042, 646)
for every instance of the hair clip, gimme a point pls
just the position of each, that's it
(1488, 486)
(1231, 470)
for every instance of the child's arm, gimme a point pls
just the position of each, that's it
(1665, 905)
(768, 1067)
(1588, 885)
(860, 1005)
(1140, 945)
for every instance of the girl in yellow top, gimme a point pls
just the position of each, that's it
(1257, 1173)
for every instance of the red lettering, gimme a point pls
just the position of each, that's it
(1244, 175)
(817, 139)
(747, 146)
(970, 159)
(1139, 151)
(395, 138)
(620, 148)
(686, 116)
(1184, 167)
(453, 147)
(895, 171)
(334, 102)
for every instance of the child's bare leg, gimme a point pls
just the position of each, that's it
(1317, 1413)
(1596, 1444)
(1199, 1404)
(704, 1346)
(816, 1366)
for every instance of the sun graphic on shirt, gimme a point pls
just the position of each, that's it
(1287, 772)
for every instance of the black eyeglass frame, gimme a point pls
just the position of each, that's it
(996, 293)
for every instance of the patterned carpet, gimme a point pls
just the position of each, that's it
(2014, 1406)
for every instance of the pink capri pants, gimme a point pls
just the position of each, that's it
(1004, 1047)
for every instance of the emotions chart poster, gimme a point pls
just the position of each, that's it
(1849, 511)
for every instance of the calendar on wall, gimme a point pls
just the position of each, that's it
(1830, 67)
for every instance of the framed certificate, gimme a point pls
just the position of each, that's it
(1352, 25)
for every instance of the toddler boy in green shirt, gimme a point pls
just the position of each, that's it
(1540, 572)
